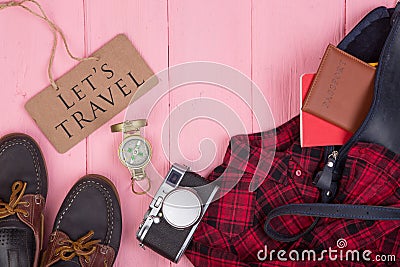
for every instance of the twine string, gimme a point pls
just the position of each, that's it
(54, 28)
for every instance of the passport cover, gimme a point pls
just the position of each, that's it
(342, 90)
(315, 131)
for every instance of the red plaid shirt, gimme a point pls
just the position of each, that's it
(231, 232)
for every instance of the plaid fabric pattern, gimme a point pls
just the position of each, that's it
(231, 232)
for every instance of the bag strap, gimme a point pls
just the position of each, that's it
(323, 210)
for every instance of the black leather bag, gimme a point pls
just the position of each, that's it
(375, 38)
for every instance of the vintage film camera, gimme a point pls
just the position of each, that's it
(175, 212)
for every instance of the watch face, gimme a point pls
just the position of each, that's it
(135, 152)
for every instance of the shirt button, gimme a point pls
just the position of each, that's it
(298, 173)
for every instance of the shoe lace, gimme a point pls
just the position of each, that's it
(81, 247)
(17, 192)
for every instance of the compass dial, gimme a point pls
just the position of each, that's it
(135, 152)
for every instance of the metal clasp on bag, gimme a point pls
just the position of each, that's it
(324, 179)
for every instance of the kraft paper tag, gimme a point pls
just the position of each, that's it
(90, 94)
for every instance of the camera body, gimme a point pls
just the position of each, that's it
(175, 212)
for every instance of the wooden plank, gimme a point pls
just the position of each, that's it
(289, 38)
(145, 23)
(215, 31)
(26, 43)
(357, 9)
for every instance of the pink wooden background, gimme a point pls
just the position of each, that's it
(273, 42)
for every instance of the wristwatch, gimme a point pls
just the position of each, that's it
(135, 151)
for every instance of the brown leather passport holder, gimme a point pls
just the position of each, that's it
(342, 90)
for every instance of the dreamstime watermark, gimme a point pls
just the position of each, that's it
(236, 92)
(330, 254)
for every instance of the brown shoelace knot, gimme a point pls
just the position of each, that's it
(18, 190)
(82, 247)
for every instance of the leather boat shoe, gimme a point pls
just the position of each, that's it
(87, 229)
(23, 190)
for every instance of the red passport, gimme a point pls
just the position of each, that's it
(315, 131)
